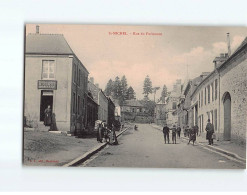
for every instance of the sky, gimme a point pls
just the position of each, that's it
(162, 52)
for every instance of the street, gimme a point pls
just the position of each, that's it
(145, 147)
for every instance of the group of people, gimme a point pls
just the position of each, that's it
(190, 132)
(175, 132)
(105, 133)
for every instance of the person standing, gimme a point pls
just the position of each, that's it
(174, 132)
(166, 133)
(47, 119)
(179, 131)
(53, 126)
(210, 131)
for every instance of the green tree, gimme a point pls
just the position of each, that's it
(130, 93)
(109, 88)
(147, 86)
(163, 93)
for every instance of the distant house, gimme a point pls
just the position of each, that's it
(54, 76)
(132, 106)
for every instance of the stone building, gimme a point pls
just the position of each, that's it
(100, 98)
(172, 102)
(92, 111)
(233, 95)
(160, 113)
(54, 76)
(221, 96)
(111, 112)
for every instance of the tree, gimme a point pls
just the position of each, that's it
(147, 86)
(124, 87)
(117, 90)
(109, 88)
(163, 93)
(130, 93)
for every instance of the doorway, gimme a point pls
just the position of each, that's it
(227, 116)
(45, 100)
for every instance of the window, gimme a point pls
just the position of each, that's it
(74, 103)
(216, 86)
(208, 93)
(215, 119)
(74, 73)
(205, 96)
(48, 69)
(78, 104)
(174, 105)
(79, 77)
(212, 88)
(199, 100)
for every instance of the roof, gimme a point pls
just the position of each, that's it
(47, 44)
(133, 103)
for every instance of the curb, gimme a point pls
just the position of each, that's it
(90, 153)
(230, 154)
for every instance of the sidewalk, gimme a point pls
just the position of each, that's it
(229, 148)
(42, 148)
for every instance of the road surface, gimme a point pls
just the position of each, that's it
(146, 148)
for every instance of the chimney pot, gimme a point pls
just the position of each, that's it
(37, 29)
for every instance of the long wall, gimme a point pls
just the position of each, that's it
(233, 79)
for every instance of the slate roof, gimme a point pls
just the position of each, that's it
(47, 44)
(133, 103)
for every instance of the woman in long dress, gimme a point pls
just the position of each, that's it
(47, 120)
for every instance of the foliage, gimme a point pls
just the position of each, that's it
(130, 93)
(147, 86)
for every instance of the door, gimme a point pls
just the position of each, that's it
(227, 117)
(45, 101)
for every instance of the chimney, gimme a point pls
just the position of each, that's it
(228, 44)
(37, 29)
(91, 79)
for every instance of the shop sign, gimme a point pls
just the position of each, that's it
(47, 84)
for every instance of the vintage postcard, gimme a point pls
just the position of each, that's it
(135, 96)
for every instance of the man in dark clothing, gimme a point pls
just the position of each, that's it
(166, 133)
(47, 119)
(210, 131)
(179, 131)
(174, 132)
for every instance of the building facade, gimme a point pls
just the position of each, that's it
(221, 97)
(100, 98)
(160, 113)
(111, 112)
(92, 112)
(172, 102)
(233, 96)
(54, 76)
